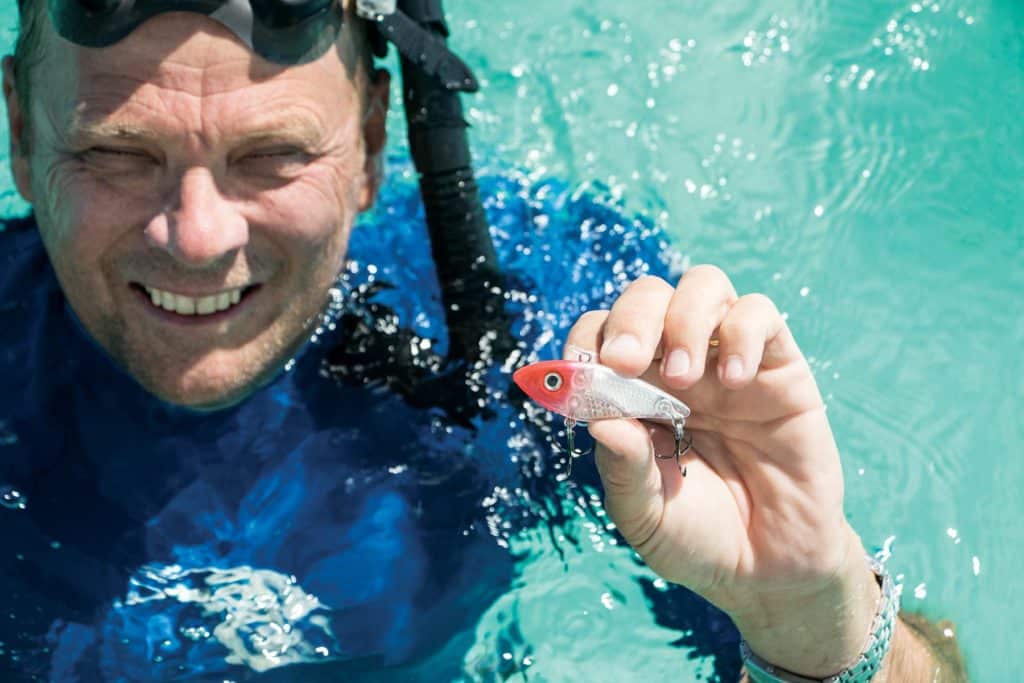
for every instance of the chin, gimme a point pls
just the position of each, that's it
(208, 391)
(202, 398)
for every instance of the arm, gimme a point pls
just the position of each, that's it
(921, 652)
(757, 524)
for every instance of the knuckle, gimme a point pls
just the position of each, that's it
(652, 282)
(707, 271)
(760, 301)
(732, 328)
(634, 321)
(682, 323)
(592, 318)
(588, 325)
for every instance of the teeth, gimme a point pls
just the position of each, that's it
(206, 305)
(187, 305)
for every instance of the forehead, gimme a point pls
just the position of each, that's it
(185, 70)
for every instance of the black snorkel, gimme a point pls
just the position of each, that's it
(296, 31)
(467, 266)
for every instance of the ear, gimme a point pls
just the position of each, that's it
(375, 135)
(17, 125)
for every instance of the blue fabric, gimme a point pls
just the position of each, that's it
(137, 511)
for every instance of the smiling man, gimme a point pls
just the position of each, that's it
(193, 203)
(195, 200)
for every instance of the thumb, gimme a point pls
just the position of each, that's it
(634, 496)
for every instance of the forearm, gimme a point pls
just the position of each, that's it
(918, 659)
(925, 652)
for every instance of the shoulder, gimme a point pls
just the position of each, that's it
(25, 263)
(29, 297)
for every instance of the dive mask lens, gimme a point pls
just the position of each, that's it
(283, 31)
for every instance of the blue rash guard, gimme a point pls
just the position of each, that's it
(322, 529)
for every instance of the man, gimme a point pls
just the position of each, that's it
(195, 203)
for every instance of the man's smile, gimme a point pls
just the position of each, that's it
(202, 308)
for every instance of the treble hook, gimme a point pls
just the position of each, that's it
(679, 433)
(570, 437)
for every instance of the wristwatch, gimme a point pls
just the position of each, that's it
(870, 660)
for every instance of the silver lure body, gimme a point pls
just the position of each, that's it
(599, 393)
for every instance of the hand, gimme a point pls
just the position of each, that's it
(757, 525)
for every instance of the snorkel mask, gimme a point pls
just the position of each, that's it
(282, 31)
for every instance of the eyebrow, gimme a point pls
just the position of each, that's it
(296, 130)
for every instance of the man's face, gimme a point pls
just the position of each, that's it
(177, 170)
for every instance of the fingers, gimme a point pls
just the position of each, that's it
(632, 331)
(751, 325)
(631, 477)
(586, 335)
(700, 303)
(702, 318)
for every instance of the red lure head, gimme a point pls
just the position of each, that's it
(549, 383)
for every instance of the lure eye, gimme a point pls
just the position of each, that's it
(552, 381)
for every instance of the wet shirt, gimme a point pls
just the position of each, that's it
(321, 528)
(301, 507)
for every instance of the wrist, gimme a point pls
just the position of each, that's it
(819, 631)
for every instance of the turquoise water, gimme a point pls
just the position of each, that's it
(861, 164)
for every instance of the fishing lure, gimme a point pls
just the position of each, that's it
(585, 392)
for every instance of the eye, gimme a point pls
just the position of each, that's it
(275, 155)
(274, 162)
(552, 381)
(118, 155)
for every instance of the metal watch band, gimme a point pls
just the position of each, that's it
(871, 658)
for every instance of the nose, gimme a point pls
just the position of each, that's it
(199, 225)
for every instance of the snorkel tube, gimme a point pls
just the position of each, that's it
(467, 266)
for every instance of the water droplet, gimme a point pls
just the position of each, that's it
(195, 633)
(12, 499)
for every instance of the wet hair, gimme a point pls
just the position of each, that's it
(28, 50)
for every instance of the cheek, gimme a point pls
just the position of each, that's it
(80, 213)
(76, 228)
(312, 215)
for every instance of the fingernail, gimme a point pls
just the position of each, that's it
(678, 363)
(734, 368)
(622, 345)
